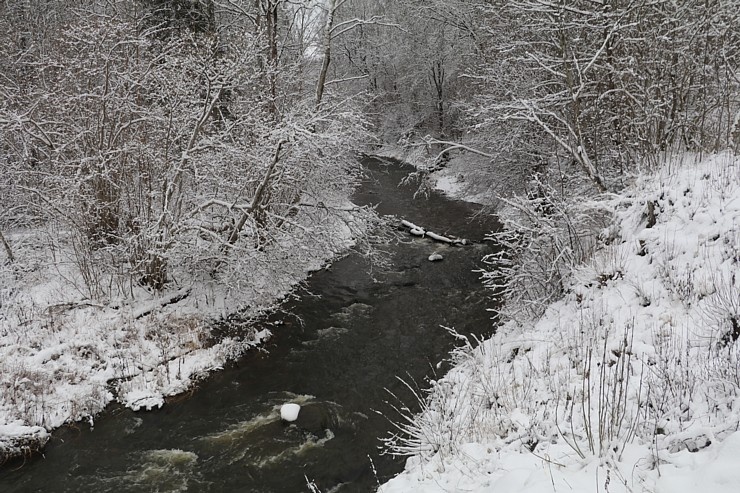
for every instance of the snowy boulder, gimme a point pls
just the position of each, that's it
(142, 399)
(17, 439)
(435, 257)
(289, 412)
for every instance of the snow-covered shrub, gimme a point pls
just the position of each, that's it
(588, 392)
(722, 308)
(545, 235)
(443, 419)
(602, 405)
(437, 429)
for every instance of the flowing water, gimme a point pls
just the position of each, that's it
(337, 351)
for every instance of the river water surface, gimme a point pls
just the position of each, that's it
(337, 353)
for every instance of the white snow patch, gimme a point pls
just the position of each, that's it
(289, 412)
(142, 399)
(465, 176)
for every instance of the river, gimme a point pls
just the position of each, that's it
(337, 350)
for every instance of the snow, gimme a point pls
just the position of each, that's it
(289, 412)
(465, 176)
(143, 399)
(629, 383)
(64, 357)
(421, 232)
(17, 438)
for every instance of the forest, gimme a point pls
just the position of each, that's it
(168, 163)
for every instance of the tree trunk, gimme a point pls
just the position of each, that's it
(8, 250)
(271, 21)
(326, 45)
(258, 198)
(438, 80)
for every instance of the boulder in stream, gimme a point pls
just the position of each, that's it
(289, 412)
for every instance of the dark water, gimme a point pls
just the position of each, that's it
(357, 332)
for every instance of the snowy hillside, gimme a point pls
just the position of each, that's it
(629, 383)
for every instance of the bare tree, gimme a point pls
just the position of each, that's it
(171, 149)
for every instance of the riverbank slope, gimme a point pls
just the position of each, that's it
(630, 382)
(64, 356)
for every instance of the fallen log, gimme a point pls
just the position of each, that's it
(421, 232)
(171, 299)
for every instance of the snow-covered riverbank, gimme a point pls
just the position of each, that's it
(65, 357)
(465, 176)
(631, 382)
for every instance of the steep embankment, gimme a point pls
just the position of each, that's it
(631, 382)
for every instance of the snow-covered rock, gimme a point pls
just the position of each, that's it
(19, 439)
(289, 412)
(142, 399)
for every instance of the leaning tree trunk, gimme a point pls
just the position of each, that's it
(8, 250)
(326, 46)
(438, 80)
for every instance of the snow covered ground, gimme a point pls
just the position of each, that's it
(629, 383)
(465, 176)
(64, 357)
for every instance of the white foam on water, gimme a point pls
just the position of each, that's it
(238, 431)
(165, 470)
(310, 443)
